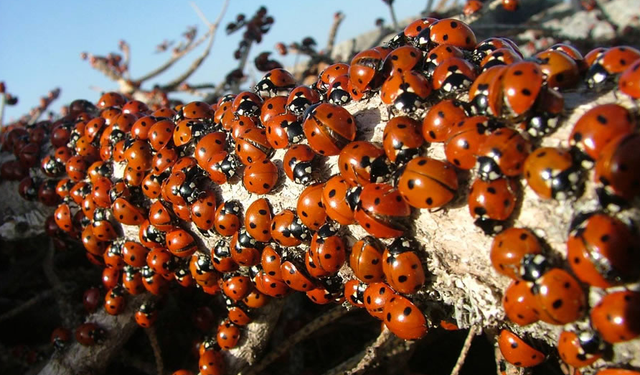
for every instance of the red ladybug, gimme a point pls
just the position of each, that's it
(114, 301)
(160, 216)
(273, 107)
(211, 362)
(181, 243)
(559, 69)
(203, 210)
(580, 349)
(362, 162)
(163, 160)
(438, 55)
(300, 98)
(284, 130)
(275, 82)
(404, 319)
(509, 248)
(89, 334)
(511, 5)
(269, 285)
(629, 82)
(126, 213)
(405, 92)
(161, 134)
(552, 174)
(227, 335)
(522, 83)
(402, 266)
(617, 182)
(376, 297)
(329, 74)
(602, 251)
(597, 127)
(227, 218)
(364, 70)
(309, 207)
(134, 254)
(246, 104)
(327, 249)
(146, 315)
(412, 30)
(560, 296)
(271, 262)
(260, 177)
(440, 119)
(257, 220)
(366, 260)
(610, 64)
(237, 287)
(111, 99)
(196, 110)
(245, 250)
(256, 299)
(62, 217)
(615, 317)
(448, 31)
(354, 292)
(453, 76)
(335, 199)
(298, 164)
(162, 262)
(328, 128)
(221, 257)
(520, 305)
(294, 275)
(500, 56)
(464, 141)
(518, 352)
(401, 139)
(503, 153)
(252, 145)
(491, 203)
(427, 183)
(402, 59)
(287, 229)
(381, 211)
(208, 146)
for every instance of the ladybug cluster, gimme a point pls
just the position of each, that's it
(142, 188)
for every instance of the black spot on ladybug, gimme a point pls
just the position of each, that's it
(557, 304)
(526, 92)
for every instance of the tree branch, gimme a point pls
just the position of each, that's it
(473, 332)
(211, 33)
(333, 32)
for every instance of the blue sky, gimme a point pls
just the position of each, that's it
(41, 41)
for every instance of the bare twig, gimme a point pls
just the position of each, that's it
(321, 321)
(201, 15)
(337, 20)
(213, 27)
(155, 345)
(392, 11)
(473, 332)
(363, 360)
(209, 34)
(26, 305)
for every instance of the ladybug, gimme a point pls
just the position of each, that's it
(313, 269)
(354, 292)
(327, 249)
(208, 146)
(447, 31)
(329, 74)
(616, 180)
(252, 146)
(161, 217)
(76, 168)
(471, 7)
(491, 203)
(295, 276)
(401, 139)
(298, 164)
(364, 70)
(221, 167)
(610, 64)
(146, 315)
(110, 278)
(287, 229)
(500, 56)
(560, 70)
(203, 273)
(60, 338)
(227, 335)
(91, 242)
(310, 209)
(485, 95)
(300, 98)
(520, 305)
(114, 301)
(464, 141)
(381, 211)
(366, 260)
(509, 247)
(615, 317)
(154, 283)
(402, 59)
(412, 30)
(269, 285)
(276, 82)
(227, 218)
(126, 213)
(140, 129)
(440, 119)
(284, 130)
(517, 351)
(113, 256)
(511, 5)
(362, 162)
(560, 296)
(103, 229)
(597, 127)
(203, 210)
(255, 299)
(196, 110)
(89, 334)
(629, 82)
(241, 123)
(221, 257)
(62, 217)
(271, 261)
(246, 104)
(522, 83)
(91, 299)
(328, 128)
(138, 155)
(405, 92)
(150, 236)
(427, 183)
(273, 107)
(237, 287)
(404, 319)
(245, 250)
(402, 266)
(551, 173)
(163, 160)
(452, 76)
(161, 134)
(503, 153)
(111, 99)
(324, 295)
(180, 243)
(260, 177)
(376, 297)
(338, 92)
(239, 316)
(257, 220)
(211, 362)
(438, 55)
(161, 261)
(134, 254)
(580, 349)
